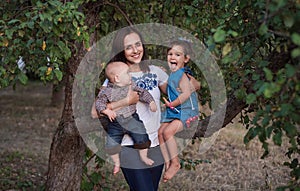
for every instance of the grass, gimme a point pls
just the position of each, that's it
(28, 123)
(16, 172)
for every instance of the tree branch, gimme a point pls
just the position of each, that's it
(234, 105)
(121, 11)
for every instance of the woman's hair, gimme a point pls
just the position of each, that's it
(187, 47)
(118, 53)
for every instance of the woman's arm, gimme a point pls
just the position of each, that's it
(94, 112)
(163, 88)
(196, 85)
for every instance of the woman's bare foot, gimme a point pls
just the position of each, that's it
(172, 170)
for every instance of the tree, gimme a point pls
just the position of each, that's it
(256, 43)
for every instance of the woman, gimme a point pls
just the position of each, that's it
(128, 46)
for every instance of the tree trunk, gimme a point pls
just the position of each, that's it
(233, 107)
(67, 148)
(66, 158)
(57, 97)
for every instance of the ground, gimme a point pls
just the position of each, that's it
(28, 123)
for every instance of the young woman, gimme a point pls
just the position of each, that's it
(128, 46)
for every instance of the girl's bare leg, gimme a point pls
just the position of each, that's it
(174, 127)
(144, 157)
(116, 160)
(163, 146)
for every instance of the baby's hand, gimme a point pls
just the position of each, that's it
(110, 114)
(153, 107)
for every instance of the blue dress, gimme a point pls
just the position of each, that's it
(187, 111)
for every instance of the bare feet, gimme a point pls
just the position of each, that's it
(167, 165)
(116, 169)
(147, 161)
(144, 158)
(172, 170)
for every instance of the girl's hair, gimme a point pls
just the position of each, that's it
(187, 47)
(118, 53)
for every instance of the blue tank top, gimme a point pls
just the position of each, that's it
(187, 110)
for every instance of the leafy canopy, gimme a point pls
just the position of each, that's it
(256, 43)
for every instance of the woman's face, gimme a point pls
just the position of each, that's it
(133, 48)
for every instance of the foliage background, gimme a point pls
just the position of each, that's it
(255, 42)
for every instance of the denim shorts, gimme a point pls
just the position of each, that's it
(132, 126)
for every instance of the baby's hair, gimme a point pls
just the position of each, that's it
(186, 45)
(112, 68)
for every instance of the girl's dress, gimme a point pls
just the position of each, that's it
(187, 111)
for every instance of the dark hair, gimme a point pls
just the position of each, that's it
(118, 53)
(187, 47)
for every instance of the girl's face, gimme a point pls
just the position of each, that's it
(133, 48)
(176, 58)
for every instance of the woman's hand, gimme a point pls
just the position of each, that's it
(152, 106)
(132, 96)
(195, 84)
(94, 113)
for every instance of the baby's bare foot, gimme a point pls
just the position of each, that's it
(147, 161)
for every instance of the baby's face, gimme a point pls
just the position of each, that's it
(124, 76)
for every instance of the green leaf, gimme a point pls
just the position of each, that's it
(288, 20)
(286, 109)
(277, 138)
(219, 35)
(265, 121)
(296, 38)
(232, 33)
(23, 78)
(58, 74)
(263, 29)
(252, 132)
(240, 93)
(295, 53)
(13, 21)
(294, 163)
(290, 70)
(75, 23)
(43, 69)
(268, 73)
(290, 129)
(251, 98)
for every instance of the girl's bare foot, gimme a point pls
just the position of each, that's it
(167, 165)
(172, 170)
